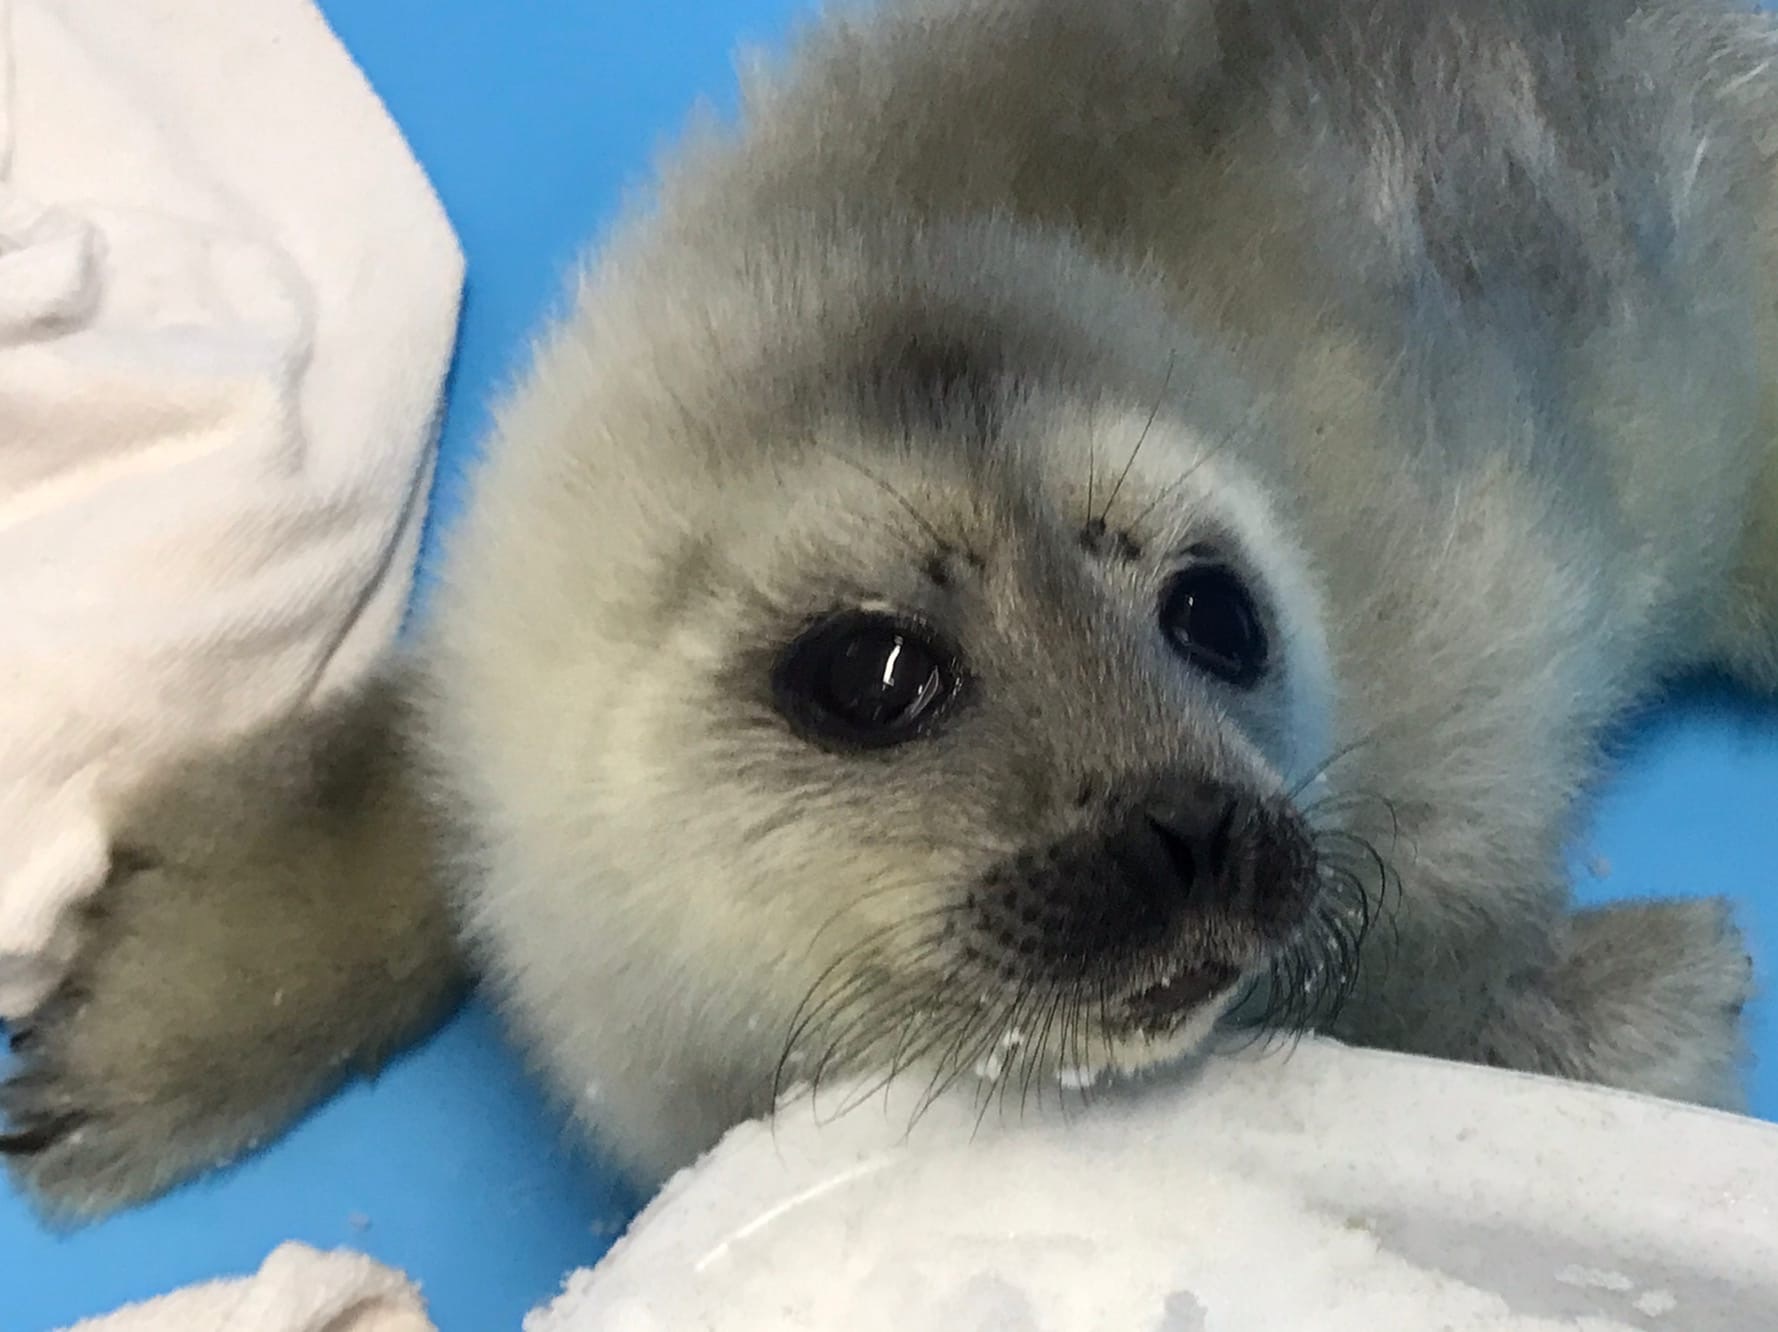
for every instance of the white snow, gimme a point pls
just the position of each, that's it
(1333, 1191)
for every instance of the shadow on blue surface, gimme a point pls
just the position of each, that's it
(532, 119)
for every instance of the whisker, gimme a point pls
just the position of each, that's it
(1307, 981)
(1153, 413)
(1179, 482)
(995, 1085)
(1092, 469)
(883, 890)
(857, 1000)
(964, 1057)
(1037, 1047)
(820, 999)
(908, 1026)
(1344, 751)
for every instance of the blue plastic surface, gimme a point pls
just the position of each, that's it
(532, 118)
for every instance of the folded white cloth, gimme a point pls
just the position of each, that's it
(298, 1290)
(228, 297)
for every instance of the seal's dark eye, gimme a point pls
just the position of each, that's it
(1210, 619)
(864, 679)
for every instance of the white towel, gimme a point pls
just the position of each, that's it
(228, 298)
(298, 1290)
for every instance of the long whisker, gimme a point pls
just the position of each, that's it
(995, 1081)
(1154, 413)
(1179, 482)
(906, 1052)
(864, 1015)
(1036, 1048)
(965, 1057)
(1338, 755)
(820, 999)
(1309, 980)
(1092, 473)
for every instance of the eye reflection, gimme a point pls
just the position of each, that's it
(864, 679)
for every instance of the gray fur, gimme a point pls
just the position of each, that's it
(1450, 323)
(272, 926)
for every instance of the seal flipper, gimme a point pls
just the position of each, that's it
(273, 923)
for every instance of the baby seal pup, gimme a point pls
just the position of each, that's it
(1072, 515)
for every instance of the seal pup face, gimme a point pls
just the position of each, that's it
(1090, 715)
(854, 664)
(971, 743)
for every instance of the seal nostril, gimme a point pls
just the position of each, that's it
(1180, 854)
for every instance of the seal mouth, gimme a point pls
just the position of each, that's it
(1160, 1008)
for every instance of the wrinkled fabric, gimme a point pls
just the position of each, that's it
(228, 299)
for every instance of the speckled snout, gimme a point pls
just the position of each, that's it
(1163, 902)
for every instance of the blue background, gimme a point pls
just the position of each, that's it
(532, 119)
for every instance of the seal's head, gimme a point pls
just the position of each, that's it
(931, 689)
(1026, 759)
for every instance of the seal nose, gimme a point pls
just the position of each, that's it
(1219, 849)
(1186, 844)
(1176, 849)
(1195, 874)
(1198, 839)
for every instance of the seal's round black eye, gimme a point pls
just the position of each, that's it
(1209, 617)
(864, 679)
